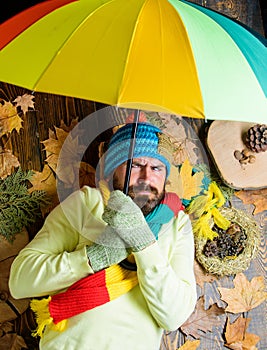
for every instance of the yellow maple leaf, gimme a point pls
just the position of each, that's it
(191, 183)
(25, 102)
(9, 118)
(245, 295)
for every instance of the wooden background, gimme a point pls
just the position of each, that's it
(51, 109)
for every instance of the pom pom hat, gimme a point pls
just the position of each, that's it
(150, 142)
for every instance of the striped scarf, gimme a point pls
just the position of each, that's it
(102, 286)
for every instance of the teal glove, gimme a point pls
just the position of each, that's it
(109, 249)
(127, 219)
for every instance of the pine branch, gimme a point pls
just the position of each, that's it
(19, 207)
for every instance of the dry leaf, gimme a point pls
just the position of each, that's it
(185, 150)
(201, 319)
(25, 102)
(256, 197)
(177, 130)
(235, 331)
(67, 169)
(45, 181)
(86, 175)
(7, 163)
(236, 336)
(66, 128)
(55, 141)
(12, 341)
(9, 118)
(202, 276)
(184, 147)
(245, 295)
(191, 183)
(174, 182)
(248, 343)
(190, 345)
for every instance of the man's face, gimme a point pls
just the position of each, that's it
(147, 182)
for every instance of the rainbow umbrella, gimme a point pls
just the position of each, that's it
(172, 56)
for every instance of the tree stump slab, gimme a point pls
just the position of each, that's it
(223, 139)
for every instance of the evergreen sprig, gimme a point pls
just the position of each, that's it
(18, 206)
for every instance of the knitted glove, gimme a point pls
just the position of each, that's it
(109, 249)
(127, 218)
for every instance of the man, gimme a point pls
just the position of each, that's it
(81, 257)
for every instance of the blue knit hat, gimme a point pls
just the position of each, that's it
(150, 142)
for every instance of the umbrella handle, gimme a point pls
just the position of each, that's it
(131, 152)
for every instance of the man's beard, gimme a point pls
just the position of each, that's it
(144, 203)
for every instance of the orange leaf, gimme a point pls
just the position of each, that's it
(256, 197)
(235, 331)
(245, 295)
(239, 339)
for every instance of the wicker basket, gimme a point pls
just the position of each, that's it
(230, 266)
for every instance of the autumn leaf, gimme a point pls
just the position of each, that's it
(174, 182)
(55, 141)
(236, 336)
(256, 197)
(190, 345)
(245, 295)
(25, 102)
(185, 150)
(12, 341)
(86, 175)
(7, 163)
(45, 181)
(9, 118)
(203, 320)
(191, 183)
(235, 331)
(67, 169)
(72, 125)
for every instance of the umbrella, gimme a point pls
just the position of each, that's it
(173, 56)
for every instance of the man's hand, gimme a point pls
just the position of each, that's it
(124, 216)
(108, 249)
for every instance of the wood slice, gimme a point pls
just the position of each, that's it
(223, 139)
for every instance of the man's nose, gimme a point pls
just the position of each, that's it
(144, 175)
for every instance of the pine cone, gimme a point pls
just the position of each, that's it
(256, 138)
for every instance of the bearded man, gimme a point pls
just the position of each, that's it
(114, 275)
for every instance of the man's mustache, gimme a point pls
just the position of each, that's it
(143, 188)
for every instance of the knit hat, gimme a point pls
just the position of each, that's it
(150, 142)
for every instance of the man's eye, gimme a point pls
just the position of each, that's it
(135, 165)
(157, 168)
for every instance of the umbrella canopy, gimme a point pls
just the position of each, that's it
(172, 56)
